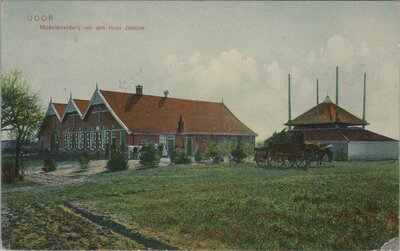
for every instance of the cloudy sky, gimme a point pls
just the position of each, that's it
(239, 51)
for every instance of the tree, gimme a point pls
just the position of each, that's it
(149, 156)
(21, 111)
(212, 151)
(238, 153)
(117, 161)
(249, 150)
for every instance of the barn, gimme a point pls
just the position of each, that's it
(327, 123)
(131, 119)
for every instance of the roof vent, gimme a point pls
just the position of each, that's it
(327, 99)
(139, 90)
(166, 92)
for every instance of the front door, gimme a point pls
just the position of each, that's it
(170, 144)
(188, 146)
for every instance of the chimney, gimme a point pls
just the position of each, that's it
(289, 104)
(337, 85)
(166, 92)
(364, 98)
(317, 92)
(181, 125)
(139, 90)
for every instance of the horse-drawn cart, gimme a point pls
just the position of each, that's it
(291, 154)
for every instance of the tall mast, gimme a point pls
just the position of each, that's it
(289, 104)
(364, 98)
(337, 85)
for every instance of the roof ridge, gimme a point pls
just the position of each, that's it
(155, 96)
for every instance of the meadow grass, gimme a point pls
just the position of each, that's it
(347, 205)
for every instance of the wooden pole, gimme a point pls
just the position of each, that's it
(317, 92)
(364, 98)
(337, 85)
(289, 103)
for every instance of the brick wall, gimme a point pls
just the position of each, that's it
(72, 123)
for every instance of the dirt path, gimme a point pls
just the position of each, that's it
(116, 227)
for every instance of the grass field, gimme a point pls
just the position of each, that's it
(345, 205)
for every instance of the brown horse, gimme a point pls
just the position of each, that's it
(319, 150)
(325, 150)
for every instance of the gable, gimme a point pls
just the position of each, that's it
(98, 99)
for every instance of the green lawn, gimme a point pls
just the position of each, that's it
(347, 205)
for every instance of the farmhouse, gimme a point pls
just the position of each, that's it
(328, 123)
(130, 119)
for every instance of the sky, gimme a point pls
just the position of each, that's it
(238, 52)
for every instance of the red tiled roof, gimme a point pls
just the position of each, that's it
(145, 113)
(326, 113)
(343, 134)
(81, 104)
(60, 108)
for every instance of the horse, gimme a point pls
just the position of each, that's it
(325, 150)
(319, 150)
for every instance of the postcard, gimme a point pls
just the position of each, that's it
(174, 125)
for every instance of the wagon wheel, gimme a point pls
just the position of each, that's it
(313, 159)
(261, 160)
(273, 160)
(270, 159)
(291, 160)
(303, 160)
(283, 160)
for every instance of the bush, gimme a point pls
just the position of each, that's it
(238, 153)
(49, 164)
(212, 152)
(84, 160)
(9, 172)
(149, 156)
(179, 156)
(249, 150)
(117, 161)
(199, 156)
(160, 148)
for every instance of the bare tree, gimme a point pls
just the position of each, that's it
(21, 111)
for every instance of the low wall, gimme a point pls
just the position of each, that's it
(367, 150)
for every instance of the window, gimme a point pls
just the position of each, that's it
(104, 139)
(92, 142)
(73, 120)
(80, 139)
(170, 144)
(67, 140)
(113, 136)
(122, 139)
(100, 117)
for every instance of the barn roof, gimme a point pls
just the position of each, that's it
(146, 113)
(343, 134)
(81, 104)
(326, 113)
(60, 108)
